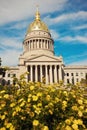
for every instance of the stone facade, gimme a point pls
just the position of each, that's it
(39, 60)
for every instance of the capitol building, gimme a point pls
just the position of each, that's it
(39, 60)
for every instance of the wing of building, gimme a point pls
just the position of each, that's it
(39, 60)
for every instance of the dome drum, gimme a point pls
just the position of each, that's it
(38, 33)
(38, 44)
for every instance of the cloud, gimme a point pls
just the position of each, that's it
(81, 39)
(80, 27)
(18, 10)
(81, 62)
(77, 56)
(80, 15)
(54, 34)
(10, 58)
(13, 43)
(10, 49)
(18, 26)
(77, 59)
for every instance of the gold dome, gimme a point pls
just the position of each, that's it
(37, 24)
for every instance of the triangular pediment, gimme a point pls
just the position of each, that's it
(44, 58)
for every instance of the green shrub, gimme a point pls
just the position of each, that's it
(36, 106)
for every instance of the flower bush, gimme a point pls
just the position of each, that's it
(36, 106)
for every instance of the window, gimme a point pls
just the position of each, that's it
(81, 74)
(8, 75)
(68, 81)
(67, 74)
(76, 74)
(71, 74)
(77, 80)
(3, 74)
(8, 83)
(14, 75)
(72, 80)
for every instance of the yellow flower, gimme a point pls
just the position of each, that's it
(65, 93)
(50, 111)
(75, 127)
(12, 104)
(22, 104)
(67, 121)
(8, 125)
(2, 117)
(80, 101)
(3, 104)
(29, 95)
(20, 100)
(34, 106)
(48, 97)
(38, 110)
(3, 128)
(45, 128)
(80, 122)
(35, 123)
(18, 91)
(68, 128)
(39, 104)
(35, 98)
(3, 91)
(18, 109)
(64, 103)
(86, 110)
(14, 113)
(57, 99)
(6, 96)
(12, 128)
(16, 85)
(80, 114)
(75, 108)
(75, 121)
(39, 94)
(29, 100)
(81, 107)
(32, 87)
(31, 114)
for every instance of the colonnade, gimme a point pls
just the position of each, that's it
(38, 44)
(51, 73)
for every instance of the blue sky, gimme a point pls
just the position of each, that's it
(66, 20)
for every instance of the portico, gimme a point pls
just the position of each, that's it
(52, 73)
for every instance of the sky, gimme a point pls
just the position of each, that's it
(66, 20)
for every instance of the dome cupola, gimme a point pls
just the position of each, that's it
(38, 39)
(37, 24)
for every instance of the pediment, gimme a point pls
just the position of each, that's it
(44, 58)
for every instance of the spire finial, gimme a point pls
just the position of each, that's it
(37, 13)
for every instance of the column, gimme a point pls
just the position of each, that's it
(36, 73)
(26, 76)
(51, 81)
(55, 74)
(41, 73)
(46, 73)
(40, 43)
(44, 43)
(60, 72)
(47, 44)
(31, 73)
(29, 45)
